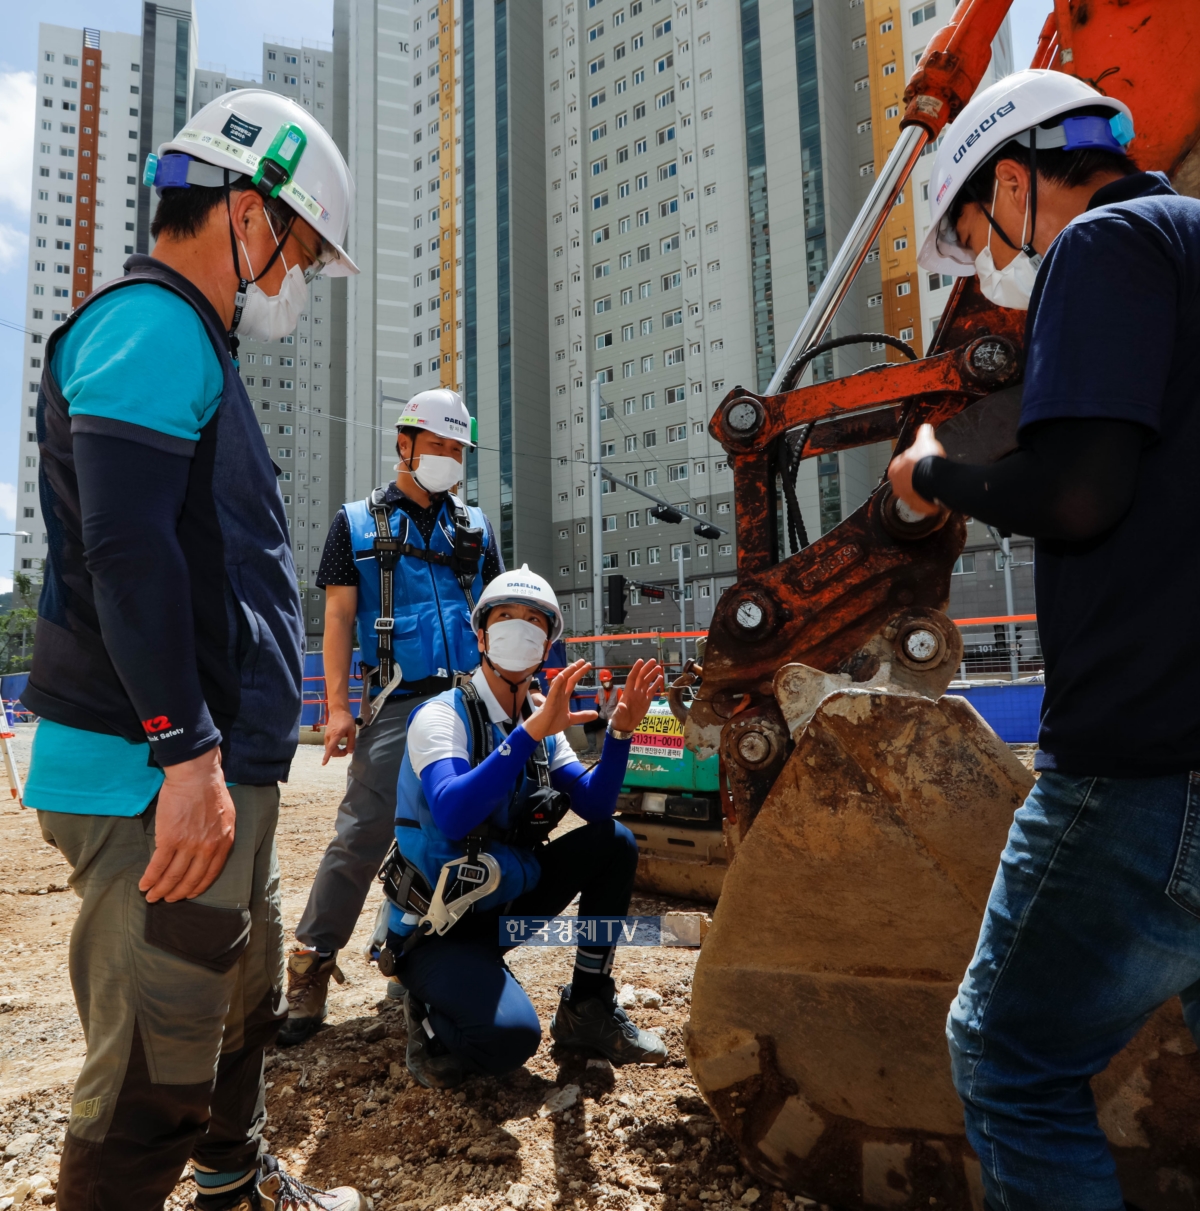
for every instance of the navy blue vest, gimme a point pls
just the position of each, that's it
(233, 532)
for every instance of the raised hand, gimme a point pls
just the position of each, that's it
(644, 682)
(554, 714)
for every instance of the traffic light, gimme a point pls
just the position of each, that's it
(666, 513)
(704, 530)
(616, 600)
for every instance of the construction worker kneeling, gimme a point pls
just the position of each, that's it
(487, 775)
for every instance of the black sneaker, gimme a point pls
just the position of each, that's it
(426, 1056)
(600, 1024)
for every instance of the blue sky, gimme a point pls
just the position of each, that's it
(231, 33)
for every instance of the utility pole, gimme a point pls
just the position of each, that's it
(1010, 630)
(682, 614)
(597, 521)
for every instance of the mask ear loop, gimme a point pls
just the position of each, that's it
(244, 283)
(400, 466)
(992, 222)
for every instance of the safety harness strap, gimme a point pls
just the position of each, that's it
(537, 768)
(387, 553)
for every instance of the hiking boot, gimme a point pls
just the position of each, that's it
(275, 1190)
(426, 1056)
(395, 989)
(307, 991)
(600, 1024)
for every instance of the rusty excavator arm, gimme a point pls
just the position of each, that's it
(869, 807)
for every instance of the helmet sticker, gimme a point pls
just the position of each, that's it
(942, 192)
(241, 131)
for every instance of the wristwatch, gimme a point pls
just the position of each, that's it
(617, 734)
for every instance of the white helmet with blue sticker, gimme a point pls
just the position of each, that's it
(1002, 113)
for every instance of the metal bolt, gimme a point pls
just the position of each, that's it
(742, 417)
(754, 747)
(992, 359)
(749, 615)
(921, 645)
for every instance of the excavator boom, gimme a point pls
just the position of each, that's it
(871, 807)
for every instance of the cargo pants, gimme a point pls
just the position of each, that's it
(363, 831)
(178, 1003)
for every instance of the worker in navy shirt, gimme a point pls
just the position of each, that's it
(1094, 917)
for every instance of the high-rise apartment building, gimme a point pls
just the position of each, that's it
(379, 78)
(169, 46)
(442, 131)
(93, 102)
(704, 160)
(896, 36)
(298, 383)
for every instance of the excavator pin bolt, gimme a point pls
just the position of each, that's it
(744, 417)
(754, 747)
(992, 361)
(921, 645)
(749, 615)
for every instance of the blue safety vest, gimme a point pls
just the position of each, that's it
(429, 848)
(432, 635)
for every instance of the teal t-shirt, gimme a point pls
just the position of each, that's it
(139, 355)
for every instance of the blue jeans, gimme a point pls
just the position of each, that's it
(1093, 922)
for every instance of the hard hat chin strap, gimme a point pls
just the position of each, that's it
(1026, 246)
(515, 686)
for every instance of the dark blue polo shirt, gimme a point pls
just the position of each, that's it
(1114, 332)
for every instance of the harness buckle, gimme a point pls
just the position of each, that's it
(385, 624)
(472, 873)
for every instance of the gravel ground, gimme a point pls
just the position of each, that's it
(342, 1107)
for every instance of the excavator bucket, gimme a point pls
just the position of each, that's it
(871, 806)
(846, 921)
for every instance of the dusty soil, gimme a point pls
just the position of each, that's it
(342, 1107)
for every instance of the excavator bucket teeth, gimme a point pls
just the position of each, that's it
(846, 921)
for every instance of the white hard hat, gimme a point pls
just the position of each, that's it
(438, 410)
(285, 151)
(519, 588)
(1008, 110)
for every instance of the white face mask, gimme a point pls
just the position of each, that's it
(515, 645)
(437, 473)
(268, 317)
(1011, 286)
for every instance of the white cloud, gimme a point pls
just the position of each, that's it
(8, 503)
(17, 104)
(6, 584)
(13, 246)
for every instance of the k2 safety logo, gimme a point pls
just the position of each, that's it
(159, 728)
